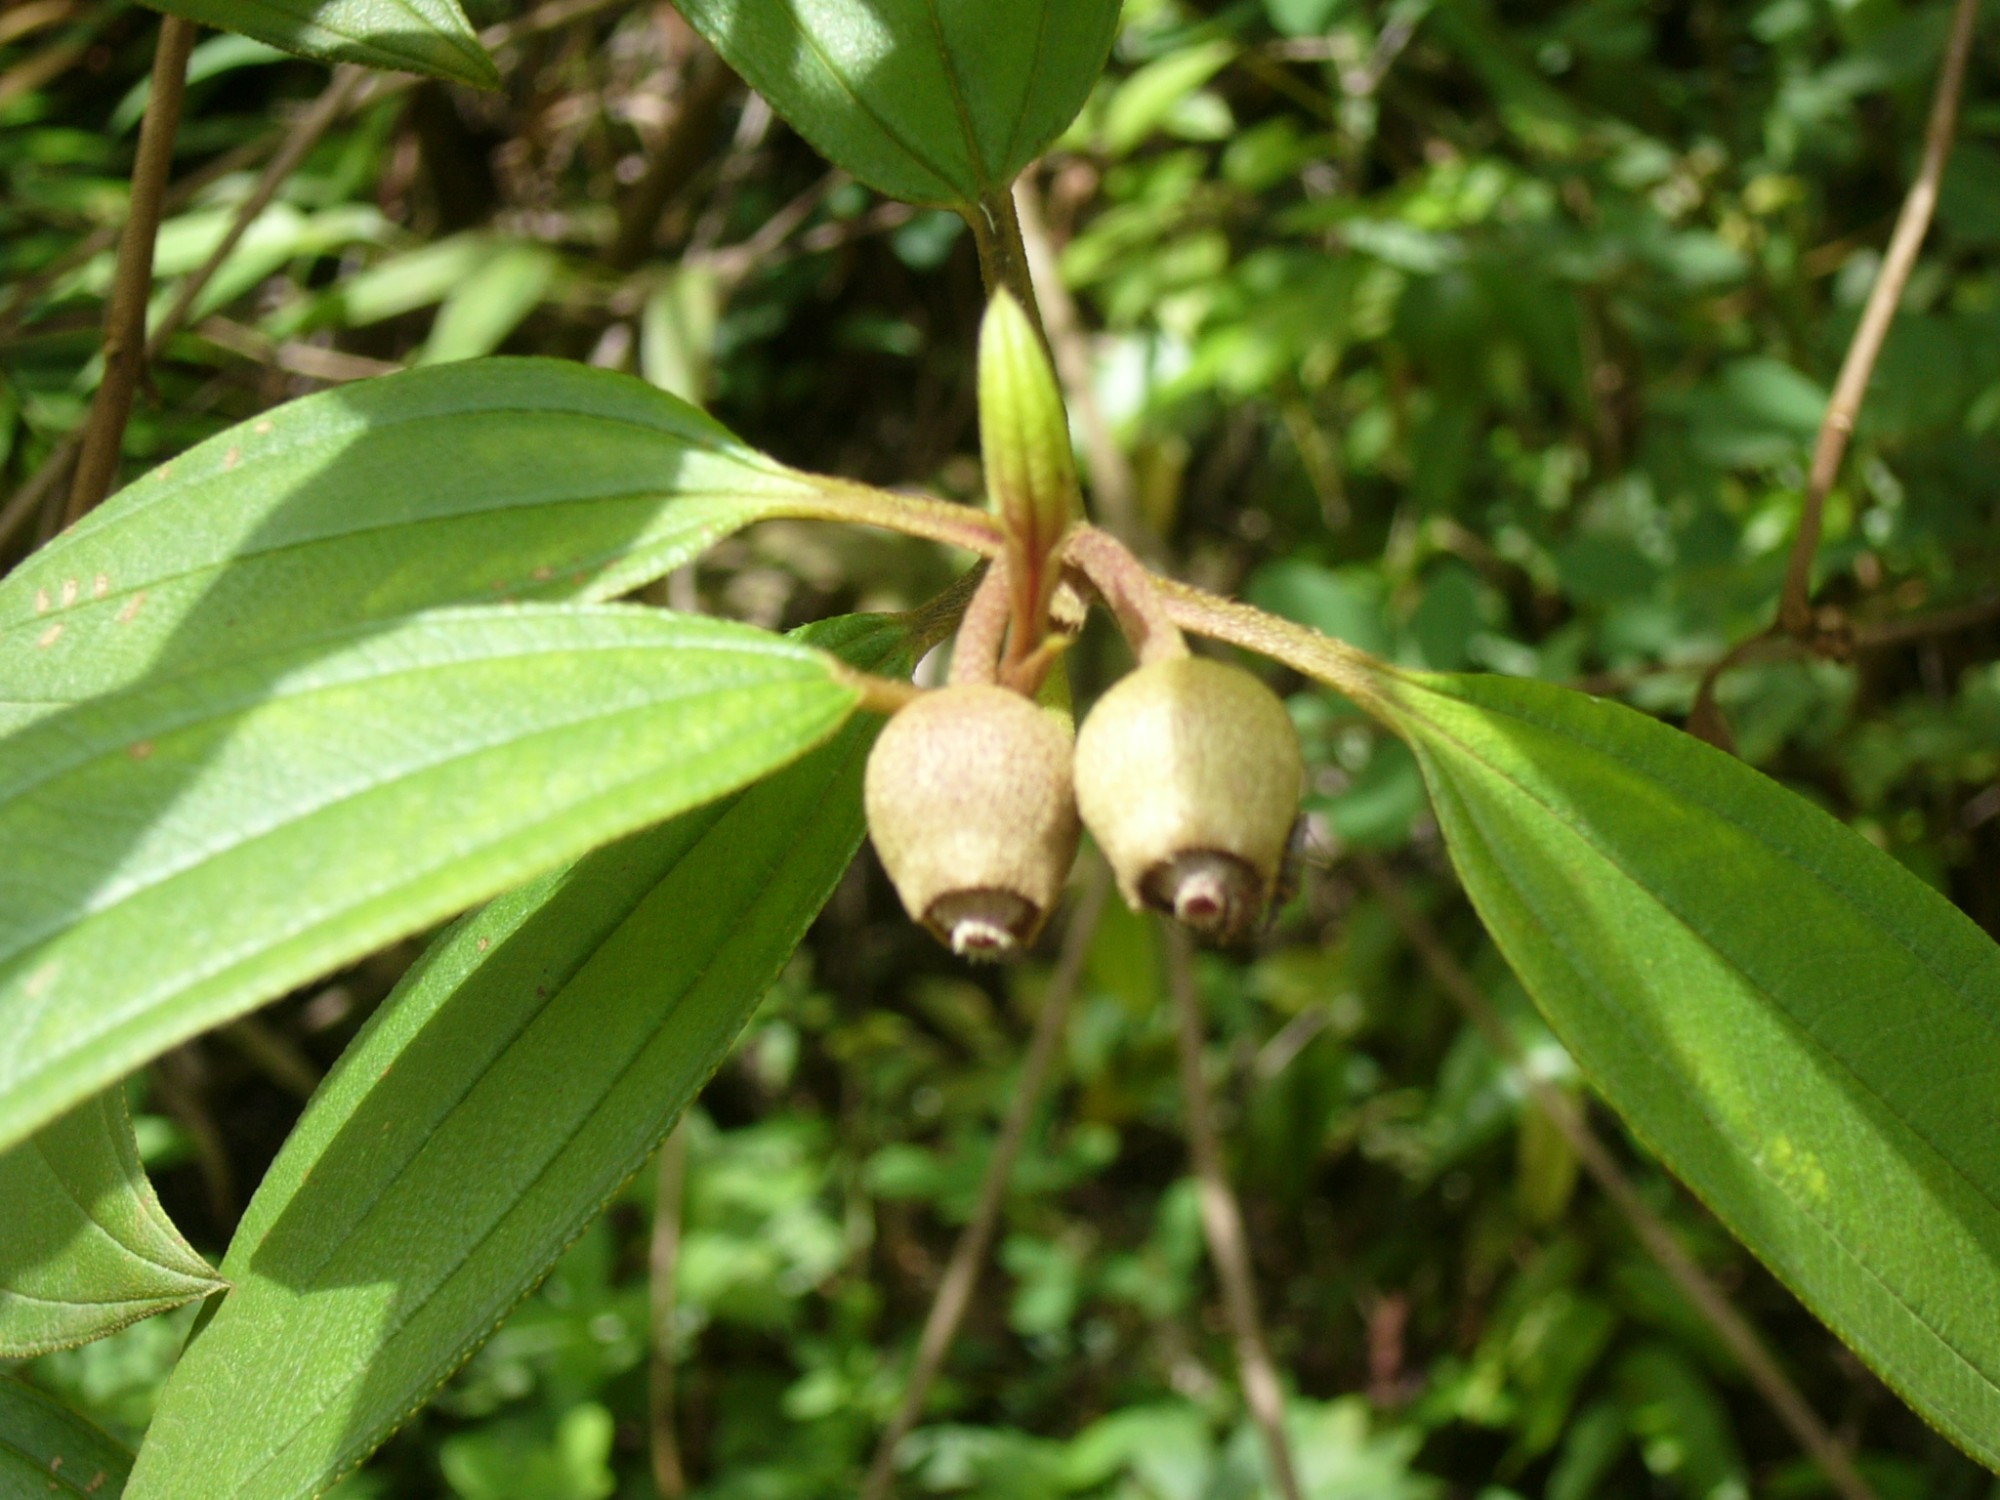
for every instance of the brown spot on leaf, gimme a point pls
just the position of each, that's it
(100, 585)
(48, 637)
(140, 750)
(484, 944)
(543, 574)
(38, 982)
(232, 458)
(132, 606)
(262, 427)
(69, 591)
(41, 601)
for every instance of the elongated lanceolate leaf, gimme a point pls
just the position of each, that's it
(932, 101)
(491, 480)
(522, 1070)
(85, 1247)
(413, 36)
(182, 851)
(49, 1452)
(1806, 1033)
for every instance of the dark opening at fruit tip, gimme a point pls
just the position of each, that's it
(983, 924)
(1215, 895)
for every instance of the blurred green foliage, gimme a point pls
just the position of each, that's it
(1483, 335)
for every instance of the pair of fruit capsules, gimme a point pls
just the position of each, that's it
(1186, 772)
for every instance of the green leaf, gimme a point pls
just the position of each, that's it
(48, 1450)
(182, 851)
(1802, 1030)
(85, 1247)
(931, 101)
(480, 311)
(414, 36)
(486, 481)
(525, 1067)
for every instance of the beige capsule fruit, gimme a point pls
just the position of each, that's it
(1187, 775)
(971, 807)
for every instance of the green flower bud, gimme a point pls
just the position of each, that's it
(1024, 441)
(970, 804)
(1187, 775)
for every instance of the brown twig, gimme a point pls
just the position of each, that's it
(304, 134)
(274, 1054)
(1707, 1299)
(125, 322)
(1795, 613)
(1796, 617)
(178, 1078)
(28, 500)
(332, 104)
(669, 1476)
(961, 1276)
(40, 489)
(1222, 1224)
(30, 16)
(293, 356)
(14, 311)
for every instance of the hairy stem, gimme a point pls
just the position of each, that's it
(1133, 595)
(961, 1276)
(1344, 668)
(976, 657)
(125, 321)
(1707, 1299)
(912, 515)
(1222, 1224)
(1003, 258)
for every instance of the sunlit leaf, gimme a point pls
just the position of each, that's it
(1805, 1032)
(85, 1247)
(477, 482)
(182, 851)
(522, 1070)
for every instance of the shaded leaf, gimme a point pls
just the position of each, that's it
(931, 101)
(47, 1449)
(526, 1065)
(414, 36)
(85, 1247)
(186, 849)
(1805, 1032)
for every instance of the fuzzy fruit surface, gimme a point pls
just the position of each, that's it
(1189, 770)
(971, 806)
